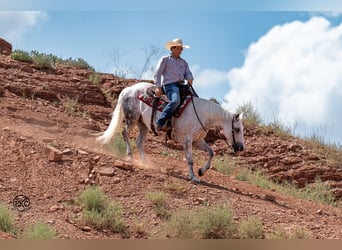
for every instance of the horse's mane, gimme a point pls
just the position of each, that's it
(213, 109)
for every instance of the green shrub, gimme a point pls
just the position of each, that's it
(204, 223)
(95, 78)
(183, 225)
(93, 199)
(158, 199)
(216, 223)
(100, 212)
(39, 231)
(22, 56)
(251, 228)
(295, 234)
(6, 220)
(44, 61)
(78, 63)
(250, 114)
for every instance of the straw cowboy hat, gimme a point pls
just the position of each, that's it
(176, 42)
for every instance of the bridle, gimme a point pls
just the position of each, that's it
(234, 129)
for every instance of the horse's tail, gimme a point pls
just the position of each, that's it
(115, 123)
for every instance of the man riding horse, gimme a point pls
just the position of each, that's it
(170, 76)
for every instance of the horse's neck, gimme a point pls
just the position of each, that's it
(213, 113)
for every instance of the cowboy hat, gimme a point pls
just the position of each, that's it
(175, 43)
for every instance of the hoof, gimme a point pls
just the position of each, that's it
(201, 172)
(194, 180)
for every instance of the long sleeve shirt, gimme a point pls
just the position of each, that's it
(170, 70)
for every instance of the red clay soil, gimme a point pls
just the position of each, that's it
(38, 108)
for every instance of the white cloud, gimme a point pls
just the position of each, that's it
(14, 24)
(294, 72)
(209, 77)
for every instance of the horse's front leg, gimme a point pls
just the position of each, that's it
(188, 155)
(205, 147)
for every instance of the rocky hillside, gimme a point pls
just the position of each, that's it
(48, 121)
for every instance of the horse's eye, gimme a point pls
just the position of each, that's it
(237, 130)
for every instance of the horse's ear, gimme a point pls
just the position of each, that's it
(238, 117)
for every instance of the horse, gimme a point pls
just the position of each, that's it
(189, 129)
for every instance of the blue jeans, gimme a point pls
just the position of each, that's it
(172, 92)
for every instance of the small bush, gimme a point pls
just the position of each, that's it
(216, 223)
(279, 128)
(251, 228)
(71, 105)
(296, 233)
(158, 199)
(299, 233)
(100, 212)
(44, 61)
(183, 225)
(204, 223)
(39, 231)
(250, 114)
(93, 199)
(78, 63)
(95, 78)
(22, 56)
(6, 220)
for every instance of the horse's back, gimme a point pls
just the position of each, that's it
(138, 87)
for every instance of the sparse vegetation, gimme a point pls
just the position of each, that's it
(251, 228)
(70, 105)
(95, 78)
(223, 166)
(279, 128)
(48, 61)
(204, 223)
(317, 191)
(297, 233)
(77, 63)
(158, 199)
(44, 61)
(101, 213)
(250, 114)
(39, 231)
(22, 56)
(6, 220)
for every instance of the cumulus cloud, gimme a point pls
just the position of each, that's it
(14, 24)
(209, 77)
(294, 73)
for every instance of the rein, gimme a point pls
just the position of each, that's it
(199, 120)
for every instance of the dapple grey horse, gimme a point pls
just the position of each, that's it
(189, 129)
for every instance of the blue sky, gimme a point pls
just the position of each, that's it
(229, 41)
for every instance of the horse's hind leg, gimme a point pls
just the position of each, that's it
(187, 144)
(125, 133)
(204, 146)
(131, 112)
(141, 139)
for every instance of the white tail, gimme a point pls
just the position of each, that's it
(115, 123)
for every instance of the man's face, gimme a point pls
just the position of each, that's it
(177, 50)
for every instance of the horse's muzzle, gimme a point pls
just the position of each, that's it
(238, 147)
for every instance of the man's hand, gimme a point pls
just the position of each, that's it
(159, 91)
(190, 82)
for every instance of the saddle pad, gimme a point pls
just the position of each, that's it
(144, 97)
